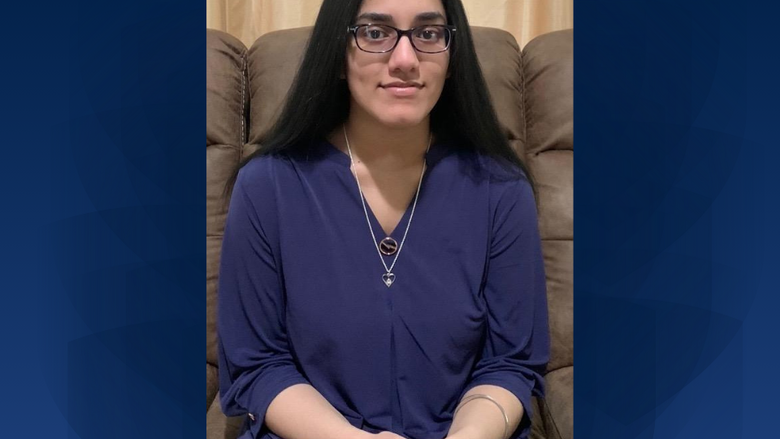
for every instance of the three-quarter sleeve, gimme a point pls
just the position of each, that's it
(517, 342)
(255, 361)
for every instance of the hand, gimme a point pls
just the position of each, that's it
(361, 434)
(462, 434)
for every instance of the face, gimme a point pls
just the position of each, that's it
(399, 88)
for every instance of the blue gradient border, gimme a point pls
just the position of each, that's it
(106, 309)
(677, 217)
(676, 201)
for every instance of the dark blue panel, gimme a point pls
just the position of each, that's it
(676, 219)
(104, 119)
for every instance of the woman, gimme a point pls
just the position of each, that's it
(381, 272)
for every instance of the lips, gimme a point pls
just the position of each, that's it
(402, 89)
(402, 85)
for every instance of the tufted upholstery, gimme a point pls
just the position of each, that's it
(532, 92)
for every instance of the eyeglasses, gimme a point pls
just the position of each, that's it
(381, 38)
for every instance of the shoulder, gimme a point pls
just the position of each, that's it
(262, 170)
(504, 179)
(482, 167)
(258, 184)
(504, 185)
(513, 195)
(261, 175)
(510, 191)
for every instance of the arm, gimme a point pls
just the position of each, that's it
(300, 412)
(517, 343)
(258, 374)
(481, 419)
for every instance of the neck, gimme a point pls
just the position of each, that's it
(390, 148)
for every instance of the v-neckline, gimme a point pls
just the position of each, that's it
(375, 225)
(436, 153)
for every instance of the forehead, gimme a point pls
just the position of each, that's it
(401, 11)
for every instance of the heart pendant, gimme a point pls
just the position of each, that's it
(388, 279)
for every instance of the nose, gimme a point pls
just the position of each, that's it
(404, 57)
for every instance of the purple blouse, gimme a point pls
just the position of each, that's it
(301, 296)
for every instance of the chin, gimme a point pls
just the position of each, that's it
(401, 120)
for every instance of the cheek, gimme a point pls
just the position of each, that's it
(355, 74)
(362, 81)
(444, 71)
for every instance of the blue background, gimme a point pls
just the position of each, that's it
(104, 122)
(677, 213)
(103, 221)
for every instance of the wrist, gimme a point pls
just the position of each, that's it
(356, 433)
(465, 432)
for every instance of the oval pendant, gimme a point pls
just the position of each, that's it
(388, 246)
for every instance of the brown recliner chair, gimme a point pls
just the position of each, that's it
(533, 95)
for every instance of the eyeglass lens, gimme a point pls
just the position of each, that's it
(380, 38)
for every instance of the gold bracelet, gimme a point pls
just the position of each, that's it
(489, 398)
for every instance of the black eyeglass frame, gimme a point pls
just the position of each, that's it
(400, 32)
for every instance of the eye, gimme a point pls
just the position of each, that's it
(375, 33)
(429, 34)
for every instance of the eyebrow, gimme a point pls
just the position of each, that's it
(376, 17)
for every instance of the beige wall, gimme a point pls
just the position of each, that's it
(525, 19)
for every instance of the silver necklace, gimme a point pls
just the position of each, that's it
(388, 245)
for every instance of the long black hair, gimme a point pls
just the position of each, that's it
(318, 101)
